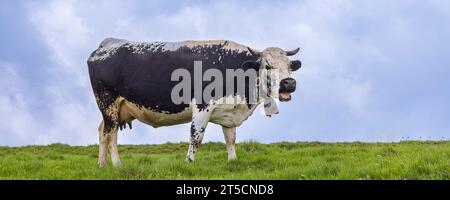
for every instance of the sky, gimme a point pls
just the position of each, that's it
(374, 71)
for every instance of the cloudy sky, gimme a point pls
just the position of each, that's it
(373, 70)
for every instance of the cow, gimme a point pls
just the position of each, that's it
(134, 80)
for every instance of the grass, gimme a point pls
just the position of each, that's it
(302, 160)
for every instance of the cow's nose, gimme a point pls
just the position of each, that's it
(287, 85)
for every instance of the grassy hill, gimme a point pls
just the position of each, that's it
(302, 160)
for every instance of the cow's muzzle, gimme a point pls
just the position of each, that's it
(287, 86)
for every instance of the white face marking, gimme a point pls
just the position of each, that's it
(275, 60)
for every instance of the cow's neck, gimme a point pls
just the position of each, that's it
(264, 86)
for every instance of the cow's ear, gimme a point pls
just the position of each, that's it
(250, 64)
(295, 65)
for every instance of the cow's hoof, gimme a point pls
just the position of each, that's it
(101, 164)
(117, 164)
(232, 159)
(189, 160)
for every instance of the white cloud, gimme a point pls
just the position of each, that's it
(17, 124)
(65, 34)
(73, 118)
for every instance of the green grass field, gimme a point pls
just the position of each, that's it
(302, 160)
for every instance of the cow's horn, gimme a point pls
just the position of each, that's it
(293, 52)
(254, 52)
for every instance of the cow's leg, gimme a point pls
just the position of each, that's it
(108, 132)
(112, 141)
(199, 122)
(113, 115)
(108, 141)
(230, 139)
(108, 103)
(102, 146)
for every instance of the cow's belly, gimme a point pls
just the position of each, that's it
(130, 111)
(227, 115)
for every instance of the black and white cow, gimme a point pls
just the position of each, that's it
(132, 80)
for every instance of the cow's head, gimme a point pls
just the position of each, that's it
(276, 61)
